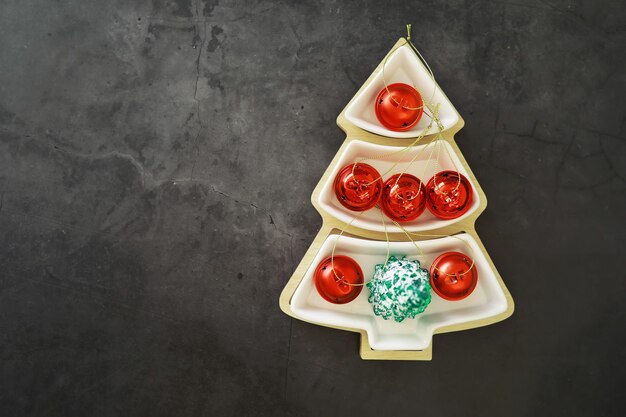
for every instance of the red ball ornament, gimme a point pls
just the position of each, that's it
(337, 290)
(453, 276)
(361, 191)
(399, 107)
(449, 198)
(403, 201)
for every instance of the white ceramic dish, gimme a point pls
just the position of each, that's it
(371, 219)
(403, 66)
(486, 300)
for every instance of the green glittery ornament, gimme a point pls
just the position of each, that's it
(399, 289)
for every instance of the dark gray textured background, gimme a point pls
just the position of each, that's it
(156, 164)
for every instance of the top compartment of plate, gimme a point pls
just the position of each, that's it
(403, 66)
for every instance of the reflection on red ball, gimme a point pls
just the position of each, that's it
(403, 199)
(334, 288)
(361, 191)
(451, 277)
(399, 107)
(449, 195)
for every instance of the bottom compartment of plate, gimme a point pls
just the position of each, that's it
(488, 299)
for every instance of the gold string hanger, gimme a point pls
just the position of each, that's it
(434, 117)
(440, 125)
(433, 108)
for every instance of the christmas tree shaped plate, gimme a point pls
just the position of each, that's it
(403, 66)
(415, 162)
(487, 300)
(367, 241)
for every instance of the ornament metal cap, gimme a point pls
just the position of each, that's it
(399, 107)
(338, 290)
(361, 191)
(448, 197)
(404, 201)
(453, 276)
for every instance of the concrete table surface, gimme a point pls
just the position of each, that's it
(156, 164)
